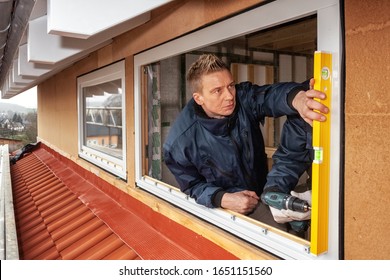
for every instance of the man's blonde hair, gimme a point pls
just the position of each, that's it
(206, 64)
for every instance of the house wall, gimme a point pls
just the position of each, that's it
(367, 113)
(367, 141)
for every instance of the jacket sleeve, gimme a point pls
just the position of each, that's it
(190, 181)
(292, 158)
(273, 100)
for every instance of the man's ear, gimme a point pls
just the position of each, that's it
(198, 98)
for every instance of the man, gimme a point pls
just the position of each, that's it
(215, 148)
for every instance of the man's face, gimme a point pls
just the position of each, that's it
(218, 96)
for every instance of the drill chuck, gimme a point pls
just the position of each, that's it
(295, 204)
(285, 201)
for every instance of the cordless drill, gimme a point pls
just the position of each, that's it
(285, 201)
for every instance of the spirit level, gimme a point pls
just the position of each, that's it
(321, 162)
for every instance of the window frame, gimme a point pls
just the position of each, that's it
(112, 164)
(329, 34)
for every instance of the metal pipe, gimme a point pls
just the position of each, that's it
(20, 15)
(6, 7)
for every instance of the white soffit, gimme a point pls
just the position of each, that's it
(16, 78)
(9, 89)
(13, 85)
(30, 69)
(83, 19)
(50, 49)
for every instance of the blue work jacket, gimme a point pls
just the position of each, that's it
(209, 156)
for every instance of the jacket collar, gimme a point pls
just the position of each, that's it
(220, 127)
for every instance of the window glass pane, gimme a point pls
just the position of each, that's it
(103, 118)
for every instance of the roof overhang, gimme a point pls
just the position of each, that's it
(43, 37)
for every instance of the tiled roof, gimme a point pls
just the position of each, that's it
(62, 215)
(53, 223)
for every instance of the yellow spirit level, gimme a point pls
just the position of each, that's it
(321, 162)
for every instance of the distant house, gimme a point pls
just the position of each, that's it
(3, 123)
(17, 126)
(8, 124)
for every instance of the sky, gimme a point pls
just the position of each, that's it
(26, 99)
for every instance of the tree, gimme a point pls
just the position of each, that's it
(31, 127)
(17, 118)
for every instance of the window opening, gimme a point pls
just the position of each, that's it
(265, 57)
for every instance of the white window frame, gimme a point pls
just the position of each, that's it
(105, 161)
(269, 15)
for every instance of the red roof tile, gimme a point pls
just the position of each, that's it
(53, 223)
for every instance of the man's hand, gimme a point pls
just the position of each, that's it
(308, 108)
(242, 202)
(284, 216)
(303, 195)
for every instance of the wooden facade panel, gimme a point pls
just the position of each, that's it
(367, 141)
(366, 189)
(174, 20)
(104, 56)
(130, 129)
(66, 109)
(366, 14)
(57, 106)
(367, 63)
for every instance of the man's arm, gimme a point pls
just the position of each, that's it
(293, 156)
(190, 181)
(280, 99)
(207, 194)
